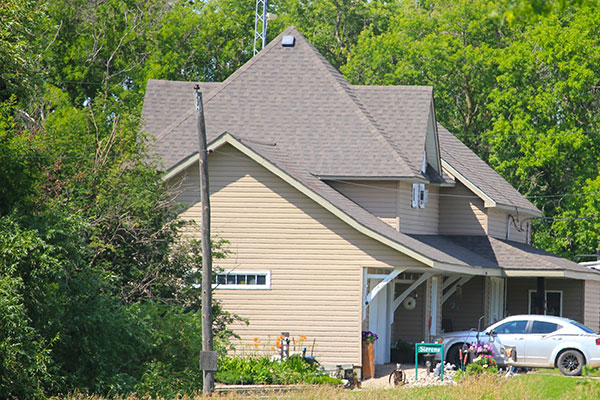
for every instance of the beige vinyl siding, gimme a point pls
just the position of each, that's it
(520, 234)
(498, 221)
(461, 213)
(466, 305)
(591, 311)
(377, 197)
(391, 202)
(418, 220)
(316, 260)
(517, 295)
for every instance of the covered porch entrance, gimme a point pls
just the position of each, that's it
(385, 292)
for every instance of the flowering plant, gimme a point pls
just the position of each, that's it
(369, 337)
(482, 350)
(483, 355)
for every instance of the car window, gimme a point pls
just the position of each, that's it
(582, 327)
(544, 327)
(511, 327)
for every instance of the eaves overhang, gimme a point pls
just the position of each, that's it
(487, 200)
(546, 273)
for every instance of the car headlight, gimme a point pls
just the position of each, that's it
(438, 339)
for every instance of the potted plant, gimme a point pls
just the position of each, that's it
(368, 354)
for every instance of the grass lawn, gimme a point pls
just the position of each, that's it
(530, 387)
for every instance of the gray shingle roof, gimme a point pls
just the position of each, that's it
(286, 95)
(506, 254)
(403, 112)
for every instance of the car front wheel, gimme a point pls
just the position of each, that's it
(453, 356)
(570, 362)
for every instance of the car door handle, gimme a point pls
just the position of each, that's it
(557, 338)
(520, 338)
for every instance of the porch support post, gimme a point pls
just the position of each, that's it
(381, 285)
(451, 291)
(365, 291)
(410, 289)
(540, 297)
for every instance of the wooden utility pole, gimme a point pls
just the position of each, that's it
(207, 334)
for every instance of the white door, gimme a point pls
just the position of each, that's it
(379, 321)
(496, 304)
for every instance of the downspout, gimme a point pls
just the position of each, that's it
(508, 227)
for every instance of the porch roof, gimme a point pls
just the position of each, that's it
(513, 258)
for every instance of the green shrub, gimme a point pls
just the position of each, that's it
(323, 380)
(261, 370)
(479, 366)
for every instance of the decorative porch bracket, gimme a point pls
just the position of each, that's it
(407, 292)
(450, 281)
(451, 291)
(380, 286)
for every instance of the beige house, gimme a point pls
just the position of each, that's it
(349, 208)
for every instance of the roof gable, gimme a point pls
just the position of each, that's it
(478, 176)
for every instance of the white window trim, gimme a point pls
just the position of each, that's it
(546, 299)
(266, 286)
(419, 195)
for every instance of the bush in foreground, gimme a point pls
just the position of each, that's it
(262, 370)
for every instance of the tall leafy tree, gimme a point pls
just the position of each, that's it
(545, 134)
(450, 45)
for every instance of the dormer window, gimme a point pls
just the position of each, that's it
(419, 196)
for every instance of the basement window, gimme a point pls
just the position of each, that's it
(242, 280)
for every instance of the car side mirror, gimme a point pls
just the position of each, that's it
(492, 336)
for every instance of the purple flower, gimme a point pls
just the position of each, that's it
(368, 336)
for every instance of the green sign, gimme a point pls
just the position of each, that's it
(429, 348)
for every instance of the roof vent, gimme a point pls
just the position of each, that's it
(288, 41)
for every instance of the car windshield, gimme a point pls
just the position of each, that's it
(582, 327)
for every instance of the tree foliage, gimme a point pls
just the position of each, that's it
(518, 84)
(90, 247)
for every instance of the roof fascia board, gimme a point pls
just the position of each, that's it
(227, 138)
(552, 274)
(520, 210)
(487, 200)
(589, 276)
(181, 166)
(530, 273)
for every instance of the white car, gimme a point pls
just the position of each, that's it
(541, 341)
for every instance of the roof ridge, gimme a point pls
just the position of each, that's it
(342, 83)
(246, 66)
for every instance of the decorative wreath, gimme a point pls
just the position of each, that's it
(409, 303)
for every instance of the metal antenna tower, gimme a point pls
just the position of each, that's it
(260, 22)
